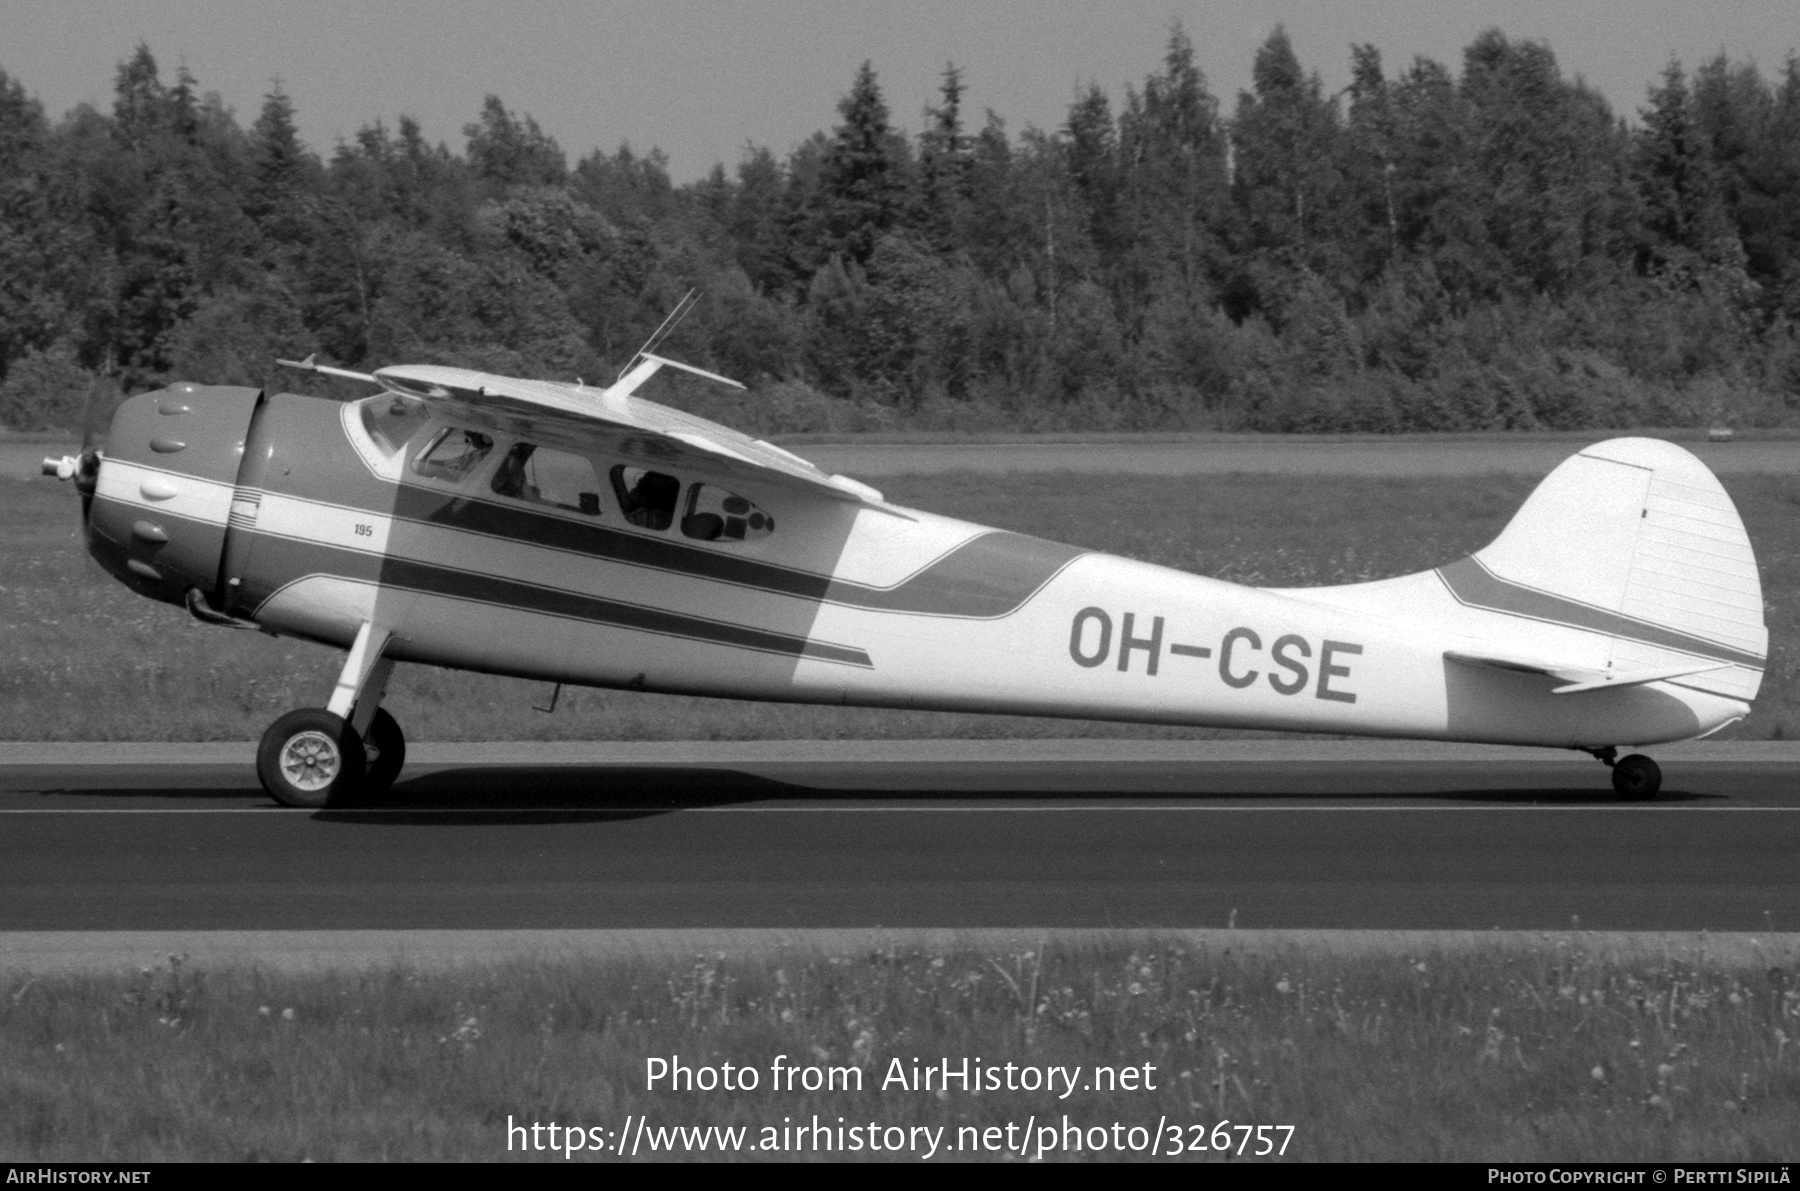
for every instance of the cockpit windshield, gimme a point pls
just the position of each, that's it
(393, 420)
(454, 455)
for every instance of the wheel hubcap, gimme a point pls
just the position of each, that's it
(310, 761)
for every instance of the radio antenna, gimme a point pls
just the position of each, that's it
(661, 333)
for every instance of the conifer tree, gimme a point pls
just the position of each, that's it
(943, 172)
(1175, 204)
(863, 178)
(511, 151)
(1683, 207)
(1092, 150)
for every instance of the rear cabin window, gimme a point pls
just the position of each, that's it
(646, 498)
(715, 515)
(453, 455)
(392, 421)
(547, 476)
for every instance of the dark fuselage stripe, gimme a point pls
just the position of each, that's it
(991, 575)
(292, 559)
(1476, 586)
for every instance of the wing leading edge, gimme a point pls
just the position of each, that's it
(581, 416)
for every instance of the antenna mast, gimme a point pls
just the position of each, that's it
(661, 333)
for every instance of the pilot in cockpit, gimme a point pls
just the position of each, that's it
(510, 478)
(651, 501)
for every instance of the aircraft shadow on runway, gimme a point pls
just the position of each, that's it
(495, 794)
(605, 792)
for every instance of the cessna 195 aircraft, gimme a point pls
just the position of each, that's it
(583, 535)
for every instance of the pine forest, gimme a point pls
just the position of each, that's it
(1489, 246)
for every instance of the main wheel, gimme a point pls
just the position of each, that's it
(310, 758)
(385, 745)
(1636, 776)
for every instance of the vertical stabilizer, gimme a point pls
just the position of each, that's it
(1633, 538)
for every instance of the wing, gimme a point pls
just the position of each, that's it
(580, 417)
(1576, 679)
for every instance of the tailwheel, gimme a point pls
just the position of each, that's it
(1636, 776)
(311, 758)
(385, 746)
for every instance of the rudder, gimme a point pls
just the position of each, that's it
(1634, 538)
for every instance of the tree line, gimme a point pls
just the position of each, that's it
(1424, 250)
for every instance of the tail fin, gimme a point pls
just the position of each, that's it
(1633, 538)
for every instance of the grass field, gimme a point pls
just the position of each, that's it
(82, 658)
(1537, 1051)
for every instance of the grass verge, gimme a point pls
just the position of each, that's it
(81, 658)
(1539, 1050)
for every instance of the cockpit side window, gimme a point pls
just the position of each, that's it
(715, 515)
(546, 476)
(392, 421)
(453, 454)
(646, 498)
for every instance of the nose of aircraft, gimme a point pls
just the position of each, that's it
(156, 497)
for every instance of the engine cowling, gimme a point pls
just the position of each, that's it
(161, 500)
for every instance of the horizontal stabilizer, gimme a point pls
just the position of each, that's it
(1576, 679)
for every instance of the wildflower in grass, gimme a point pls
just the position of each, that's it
(1490, 1050)
(467, 1033)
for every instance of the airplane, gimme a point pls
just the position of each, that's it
(583, 535)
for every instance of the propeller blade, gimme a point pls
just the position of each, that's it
(103, 402)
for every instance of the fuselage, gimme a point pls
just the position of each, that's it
(487, 550)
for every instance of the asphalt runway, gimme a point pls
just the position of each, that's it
(965, 835)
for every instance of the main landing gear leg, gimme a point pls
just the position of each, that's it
(316, 758)
(1635, 777)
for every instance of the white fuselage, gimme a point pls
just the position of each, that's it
(784, 593)
(870, 604)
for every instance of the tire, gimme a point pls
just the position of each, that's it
(1636, 777)
(385, 747)
(311, 759)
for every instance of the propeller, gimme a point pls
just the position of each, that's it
(103, 403)
(84, 469)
